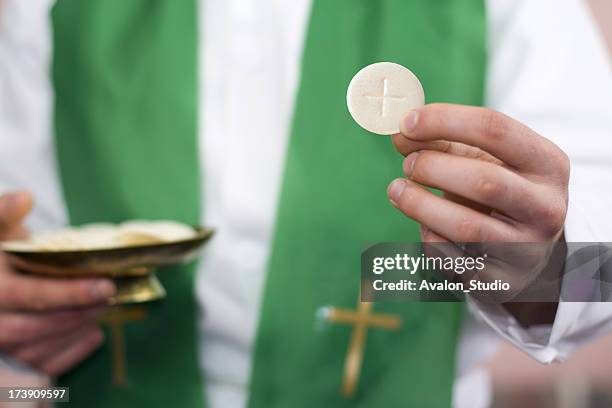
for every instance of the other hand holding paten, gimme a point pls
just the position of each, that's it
(49, 324)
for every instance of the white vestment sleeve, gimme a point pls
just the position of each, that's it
(549, 69)
(27, 153)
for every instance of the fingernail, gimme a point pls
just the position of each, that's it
(409, 163)
(410, 122)
(395, 190)
(103, 289)
(424, 230)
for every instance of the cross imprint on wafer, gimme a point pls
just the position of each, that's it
(385, 98)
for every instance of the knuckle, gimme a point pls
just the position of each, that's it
(409, 204)
(551, 217)
(469, 231)
(15, 330)
(563, 165)
(26, 355)
(33, 301)
(24, 328)
(489, 189)
(494, 124)
(7, 335)
(28, 299)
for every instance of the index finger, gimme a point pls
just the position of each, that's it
(501, 136)
(33, 293)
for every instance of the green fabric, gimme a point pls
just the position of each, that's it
(125, 76)
(334, 201)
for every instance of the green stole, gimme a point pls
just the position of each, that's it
(125, 75)
(125, 79)
(334, 201)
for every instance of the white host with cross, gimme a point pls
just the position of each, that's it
(380, 94)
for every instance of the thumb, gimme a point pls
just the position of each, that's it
(13, 209)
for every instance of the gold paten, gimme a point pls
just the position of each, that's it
(131, 267)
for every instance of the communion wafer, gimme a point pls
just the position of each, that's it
(162, 231)
(103, 236)
(381, 94)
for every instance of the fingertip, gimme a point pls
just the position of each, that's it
(409, 123)
(102, 290)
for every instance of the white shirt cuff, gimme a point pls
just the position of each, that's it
(575, 324)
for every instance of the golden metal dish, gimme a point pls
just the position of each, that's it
(131, 267)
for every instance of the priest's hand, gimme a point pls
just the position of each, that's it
(502, 182)
(49, 324)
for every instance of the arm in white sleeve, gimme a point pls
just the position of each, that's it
(27, 153)
(27, 159)
(549, 69)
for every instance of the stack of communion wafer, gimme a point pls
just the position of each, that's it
(104, 236)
